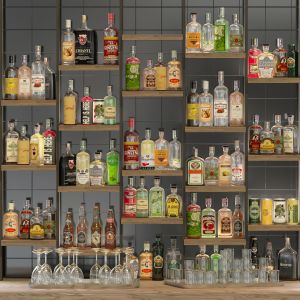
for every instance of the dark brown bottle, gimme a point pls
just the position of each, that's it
(158, 259)
(110, 231)
(67, 167)
(68, 233)
(96, 228)
(254, 250)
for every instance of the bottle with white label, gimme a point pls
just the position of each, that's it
(236, 107)
(110, 107)
(290, 137)
(206, 106)
(142, 201)
(38, 76)
(237, 165)
(147, 151)
(221, 102)
(82, 165)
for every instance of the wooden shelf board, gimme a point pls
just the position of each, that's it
(152, 173)
(215, 189)
(273, 227)
(28, 168)
(163, 220)
(89, 252)
(216, 241)
(29, 243)
(80, 68)
(273, 157)
(275, 80)
(213, 55)
(92, 127)
(155, 94)
(88, 189)
(232, 129)
(152, 37)
(31, 102)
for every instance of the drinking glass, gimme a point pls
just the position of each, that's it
(262, 263)
(236, 276)
(117, 272)
(128, 271)
(46, 269)
(68, 268)
(36, 277)
(95, 269)
(223, 277)
(247, 277)
(104, 272)
(178, 275)
(189, 277)
(262, 276)
(76, 273)
(189, 264)
(199, 276)
(274, 276)
(246, 257)
(237, 264)
(59, 270)
(210, 277)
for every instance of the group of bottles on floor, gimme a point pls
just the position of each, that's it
(218, 37)
(277, 139)
(220, 110)
(80, 170)
(37, 82)
(30, 223)
(265, 64)
(141, 203)
(225, 170)
(37, 150)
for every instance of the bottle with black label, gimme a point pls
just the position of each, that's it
(67, 167)
(158, 259)
(287, 262)
(86, 107)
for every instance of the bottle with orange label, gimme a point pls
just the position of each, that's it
(161, 151)
(192, 106)
(193, 35)
(195, 169)
(174, 74)
(131, 147)
(146, 261)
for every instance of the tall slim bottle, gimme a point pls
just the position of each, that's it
(37, 147)
(11, 143)
(49, 81)
(158, 259)
(82, 228)
(131, 147)
(156, 200)
(49, 143)
(129, 200)
(225, 167)
(96, 228)
(208, 35)
(86, 107)
(193, 35)
(192, 107)
(132, 71)
(113, 164)
(147, 151)
(160, 73)
(24, 75)
(221, 32)
(83, 165)
(38, 76)
(23, 147)
(11, 80)
(206, 111)
(70, 104)
(174, 152)
(174, 73)
(110, 107)
(68, 45)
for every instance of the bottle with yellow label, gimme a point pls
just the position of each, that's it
(160, 73)
(23, 147)
(174, 73)
(206, 111)
(193, 35)
(11, 80)
(266, 211)
(37, 231)
(70, 105)
(161, 151)
(37, 147)
(267, 145)
(192, 106)
(68, 45)
(146, 263)
(173, 203)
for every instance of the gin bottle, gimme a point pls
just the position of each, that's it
(208, 35)
(70, 104)
(146, 263)
(11, 80)
(277, 130)
(280, 53)
(67, 167)
(11, 143)
(113, 164)
(224, 220)
(225, 167)
(98, 170)
(23, 147)
(132, 73)
(86, 107)
(174, 73)
(160, 73)
(254, 131)
(221, 32)
(161, 151)
(195, 169)
(158, 259)
(267, 140)
(131, 147)
(202, 261)
(149, 76)
(82, 228)
(290, 137)
(38, 88)
(237, 106)
(208, 220)
(175, 152)
(193, 35)
(221, 102)
(24, 75)
(68, 45)
(129, 200)
(236, 32)
(287, 262)
(147, 151)
(192, 110)
(173, 203)
(156, 200)
(37, 147)
(237, 165)
(211, 164)
(110, 107)
(82, 165)
(266, 63)
(206, 106)
(142, 200)
(238, 219)
(193, 218)
(49, 81)
(253, 54)
(49, 143)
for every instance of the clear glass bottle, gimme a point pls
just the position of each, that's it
(161, 151)
(82, 228)
(267, 140)
(68, 45)
(142, 200)
(206, 102)
(174, 203)
(157, 200)
(82, 165)
(253, 54)
(11, 81)
(211, 164)
(280, 53)
(192, 107)
(10, 225)
(225, 220)
(175, 151)
(149, 76)
(37, 231)
(131, 147)
(173, 259)
(49, 81)
(214, 260)
(25, 216)
(208, 220)
(96, 228)
(236, 107)
(24, 76)
(208, 35)
(237, 165)
(195, 169)
(70, 105)
(147, 151)
(269, 255)
(277, 130)
(23, 147)
(146, 263)
(38, 81)
(254, 131)
(113, 164)
(174, 73)
(290, 137)
(11, 143)
(49, 143)
(129, 199)
(221, 102)
(202, 261)
(193, 218)
(98, 170)
(238, 219)
(49, 217)
(132, 73)
(236, 32)
(225, 167)
(266, 63)
(287, 262)
(37, 147)
(193, 35)
(86, 107)
(160, 73)
(221, 32)
(67, 167)
(110, 107)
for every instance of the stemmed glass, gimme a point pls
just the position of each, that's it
(59, 270)
(128, 271)
(95, 269)
(46, 269)
(104, 272)
(36, 277)
(76, 273)
(68, 267)
(116, 272)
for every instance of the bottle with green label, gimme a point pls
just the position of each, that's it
(221, 32)
(132, 71)
(158, 259)
(113, 164)
(193, 215)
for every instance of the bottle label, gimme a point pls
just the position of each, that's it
(68, 238)
(278, 142)
(253, 66)
(205, 112)
(161, 78)
(266, 66)
(81, 238)
(86, 112)
(291, 63)
(158, 262)
(34, 153)
(238, 227)
(109, 112)
(236, 41)
(49, 226)
(279, 211)
(82, 176)
(10, 225)
(156, 204)
(211, 173)
(112, 161)
(24, 87)
(236, 112)
(38, 84)
(146, 267)
(220, 38)
(70, 172)
(11, 150)
(147, 155)
(254, 142)
(226, 225)
(237, 172)
(195, 172)
(96, 239)
(97, 175)
(142, 206)
(11, 86)
(98, 112)
(131, 153)
(173, 207)
(69, 110)
(193, 111)
(129, 201)
(111, 48)
(149, 81)
(49, 150)
(220, 109)
(281, 65)
(161, 157)
(85, 47)
(267, 144)
(37, 231)
(208, 225)
(132, 76)
(193, 223)
(25, 227)
(68, 51)
(174, 76)
(193, 40)
(288, 140)
(225, 173)
(110, 239)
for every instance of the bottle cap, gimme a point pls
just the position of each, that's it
(83, 18)
(83, 144)
(11, 205)
(86, 91)
(68, 23)
(109, 90)
(237, 200)
(160, 56)
(71, 84)
(208, 17)
(112, 144)
(149, 62)
(225, 202)
(205, 85)
(236, 85)
(131, 123)
(174, 54)
(211, 149)
(237, 144)
(222, 12)
(277, 118)
(11, 59)
(254, 42)
(194, 197)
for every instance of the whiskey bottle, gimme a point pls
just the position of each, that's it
(49, 219)
(267, 145)
(193, 35)
(224, 220)
(287, 262)
(277, 130)
(67, 167)
(24, 75)
(280, 53)
(131, 147)
(202, 260)
(236, 106)
(253, 135)
(82, 165)
(49, 81)
(25, 216)
(238, 219)
(156, 200)
(111, 42)
(192, 110)
(37, 231)
(110, 231)
(86, 107)
(225, 163)
(147, 151)
(38, 76)
(290, 136)
(98, 170)
(142, 200)
(149, 76)
(206, 106)
(82, 228)
(158, 259)
(161, 151)
(160, 73)
(174, 73)
(174, 151)
(195, 169)
(113, 164)
(68, 45)
(11, 143)
(96, 229)
(70, 104)
(173, 203)
(129, 200)
(11, 80)
(11, 222)
(49, 143)
(110, 107)
(146, 263)
(132, 73)
(37, 147)
(68, 231)
(193, 219)
(266, 63)
(208, 220)
(23, 147)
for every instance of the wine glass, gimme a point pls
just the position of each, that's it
(46, 269)
(36, 273)
(76, 273)
(95, 269)
(128, 271)
(104, 272)
(59, 270)
(116, 272)
(68, 267)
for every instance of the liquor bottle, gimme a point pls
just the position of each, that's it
(267, 140)
(11, 143)
(290, 136)
(131, 147)
(142, 200)
(208, 35)
(211, 166)
(38, 79)
(11, 80)
(96, 228)
(254, 131)
(158, 259)
(221, 32)
(225, 167)
(98, 170)
(221, 102)
(161, 151)
(111, 41)
(236, 107)
(195, 169)
(277, 130)
(24, 76)
(98, 111)
(193, 219)
(206, 102)
(112, 164)
(202, 261)
(110, 231)
(174, 74)
(156, 200)
(149, 76)
(266, 63)
(37, 231)
(208, 220)
(214, 260)
(253, 54)
(11, 222)
(160, 73)
(129, 200)
(254, 252)
(49, 81)
(174, 203)
(49, 217)
(25, 216)
(225, 220)
(236, 32)
(68, 231)
(146, 263)
(67, 167)
(49, 143)
(287, 262)
(82, 165)
(37, 147)
(292, 210)
(132, 73)
(133, 260)
(147, 151)
(238, 219)
(281, 68)
(174, 152)
(70, 104)
(254, 211)
(86, 107)
(237, 165)
(85, 44)
(279, 211)
(193, 35)
(82, 227)
(68, 45)
(292, 61)
(173, 259)
(110, 107)
(269, 255)
(192, 111)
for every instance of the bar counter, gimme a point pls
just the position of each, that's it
(13, 289)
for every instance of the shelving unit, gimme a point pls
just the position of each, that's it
(88, 189)
(282, 157)
(275, 80)
(152, 37)
(216, 55)
(214, 241)
(88, 68)
(215, 189)
(29, 243)
(27, 168)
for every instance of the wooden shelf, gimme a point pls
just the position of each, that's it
(92, 127)
(215, 189)
(154, 94)
(152, 37)
(273, 227)
(213, 55)
(274, 157)
(89, 252)
(232, 129)
(29, 243)
(275, 80)
(160, 173)
(81, 68)
(88, 189)
(216, 241)
(163, 220)
(28, 168)
(32, 102)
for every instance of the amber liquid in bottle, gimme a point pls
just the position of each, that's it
(96, 228)
(110, 231)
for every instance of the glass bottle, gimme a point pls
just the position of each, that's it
(113, 164)
(37, 147)
(280, 53)
(287, 262)
(254, 252)
(37, 231)
(147, 151)
(110, 107)
(221, 102)
(82, 227)
(202, 261)
(195, 169)
(149, 76)
(174, 152)
(174, 203)
(110, 231)
(158, 259)
(68, 231)
(236, 32)
(156, 200)
(253, 54)
(225, 167)
(236, 107)
(82, 165)
(142, 200)
(49, 81)
(254, 131)
(146, 262)
(237, 165)
(160, 73)
(174, 73)
(131, 147)
(193, 218)
(68, 45)
(38, 82)
(267, 140)
(24, 76)
(269, 255)
(23, 147)
(129, 200)
(238, 219)
(208, 35)
(98, 170)
(224, 220)
(192, 109)
(49, 143)
(96, 228)
(11, 79)
(161, 151)
(221, 32)
(10, 221)
(277, 130)
(290, 136)
(214, 260)
(49, 217)
(211, 164)
(206, 102)
(208, 220)
(132, 73)
(25, 216)
(67, 167)
(193, 35)
(11, 143)
(173, 259)
(70, 104)
(292, 61)
(266, 63)
(86, 107)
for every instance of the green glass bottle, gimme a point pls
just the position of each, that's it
(214, 260)
(221, 32)
(158, 259)
(113, 164)
(110, 107)
(132, 71)
(292, 61)
(193, 217)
